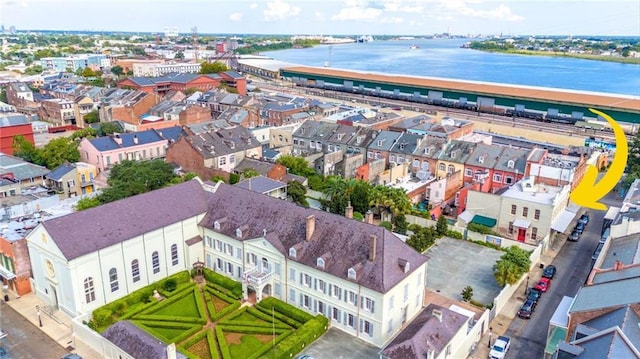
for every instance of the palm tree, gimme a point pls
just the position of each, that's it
(506, 272)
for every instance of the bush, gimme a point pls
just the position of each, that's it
(467, 293)
(294, 313)
(169, 285)
(358, 216)
(224, 348)
(482, 229)
(306, 334)
(386, 224)
(454, 234)
(234, 287)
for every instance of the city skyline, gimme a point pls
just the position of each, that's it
(388, 17)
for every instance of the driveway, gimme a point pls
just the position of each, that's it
(335, 344)
(454, 264)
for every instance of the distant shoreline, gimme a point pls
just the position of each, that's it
(622, 60)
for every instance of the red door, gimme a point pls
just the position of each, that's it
(522, 232)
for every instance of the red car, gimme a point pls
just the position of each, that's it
(543, 284)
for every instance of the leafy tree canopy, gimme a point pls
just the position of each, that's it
(117, 70)
(298, 193)
(92, 117)
(53, 154)
(129, 178)
(213, 67)
(296, 165)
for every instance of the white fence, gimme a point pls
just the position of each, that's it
(97, 342)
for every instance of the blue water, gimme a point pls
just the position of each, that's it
(446, 59)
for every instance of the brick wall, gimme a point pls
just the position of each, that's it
(190, 160)
(132, 113)
(194, 114)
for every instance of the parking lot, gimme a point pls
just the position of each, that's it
(454, 264)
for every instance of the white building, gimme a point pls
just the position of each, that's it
(149, 69)
(363, 277)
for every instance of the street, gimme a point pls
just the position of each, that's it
(574, 264)
(24, 340)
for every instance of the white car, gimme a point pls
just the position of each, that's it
(500, 348)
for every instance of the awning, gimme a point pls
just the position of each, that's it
(521, 223)
(466, 216)
(485, 221)
(6, 274)
(562, 221)
(612, 212)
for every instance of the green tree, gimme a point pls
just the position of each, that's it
(422, 237)
(298, 193)
(87, 132)
(441, 226)
(108, 128)
(59, 151)
(3, 96)
(129, 178)
(88, 72)
(117, 70)
(250, 172)
(400, 224)
(87, 202)
(296, 165)
(633, 161)
(519, 257)
(92, 117)
(179, 55)
(467, 293)
(386, 224)
(506, 272)
(25, 149)
(190, 91)
(33, 70)
(212, 67)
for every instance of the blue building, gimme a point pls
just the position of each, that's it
(74, 62)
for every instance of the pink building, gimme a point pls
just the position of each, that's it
(105, 152)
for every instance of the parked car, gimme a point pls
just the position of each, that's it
(304, 357)
(579, 227)
(526, 309)
(596, 253)
(574, 237)
(500, 348)
(584, 219)
(543, 284)
(534, 295)
(71, 356)
(4, 354)
(549, 272)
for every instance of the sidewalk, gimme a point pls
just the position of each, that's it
(501, 322)
(58, 326)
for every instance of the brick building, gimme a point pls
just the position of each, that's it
(14, 124)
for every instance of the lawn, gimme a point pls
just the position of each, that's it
(185, 307)
(241, 344)
(248, 317)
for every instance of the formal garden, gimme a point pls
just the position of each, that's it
(206, 320)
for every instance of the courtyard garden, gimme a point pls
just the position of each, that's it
(206, 320)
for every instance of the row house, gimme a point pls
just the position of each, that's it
(560, 169)
(510, 167)
(60, 112)
(20, 171)
(526, 211)
(480, 165)
(381, 146)
(281, 137)
(72, 179)
(22, 98)
(15, 266)
(129, 108)
(291, 253)
(107, 151)
(213, 152)
(381, 121)
(452, 158)
(245, 117)
(277, 114)
(424, 159)
(403, 149)
(310, 136)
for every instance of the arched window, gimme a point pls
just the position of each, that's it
(113, 279)
(351, 273)
(155, 262)
(442, 167)
(451, 169)
(89, 290)
(320, 263)
(511, 163)
(292, 252)
(174, 254)
(135, 270)
(265, 264)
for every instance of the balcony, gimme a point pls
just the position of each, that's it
(256, 277)
(86, 183)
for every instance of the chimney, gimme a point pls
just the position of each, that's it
(368, 217)
(431, 354)
(438, 314)
(311, 226)
(618, 265)
(135, 139)
(171, 351)
(349, 211)
(372, 247)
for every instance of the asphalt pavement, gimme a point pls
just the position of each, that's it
(25, 340)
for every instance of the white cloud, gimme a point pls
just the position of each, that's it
(236, 16)
(279, 10)
(358, 10)
(254, 5)
(392, 20)
(461, 7)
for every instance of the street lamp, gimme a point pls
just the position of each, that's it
(489, 343)
(39, 319)
(526, 287)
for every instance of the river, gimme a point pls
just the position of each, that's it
(445, 58)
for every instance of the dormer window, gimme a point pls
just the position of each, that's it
(292, 252)
(453, 154)
(402, 146)
(511, 164)
(238, 232)
(407, 267)
(481, 159)
(320, 263)
(351, 273)
(216, 225)
(404, 265)
(340, 135)
(380, 143)
(427, 151)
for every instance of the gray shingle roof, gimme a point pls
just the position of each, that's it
(384, 140)
(13, 119)
(285, 223)
(426, 332)
(21, 169)
(84, 232)
(212, 144)
(490, 155)
(599, 295)
(107, 143)
(519, 156)
(261, 184)
(60, 171)
(136, 342)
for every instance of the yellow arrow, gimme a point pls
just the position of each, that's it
(587, 193)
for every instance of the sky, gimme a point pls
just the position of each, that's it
(330, 17)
